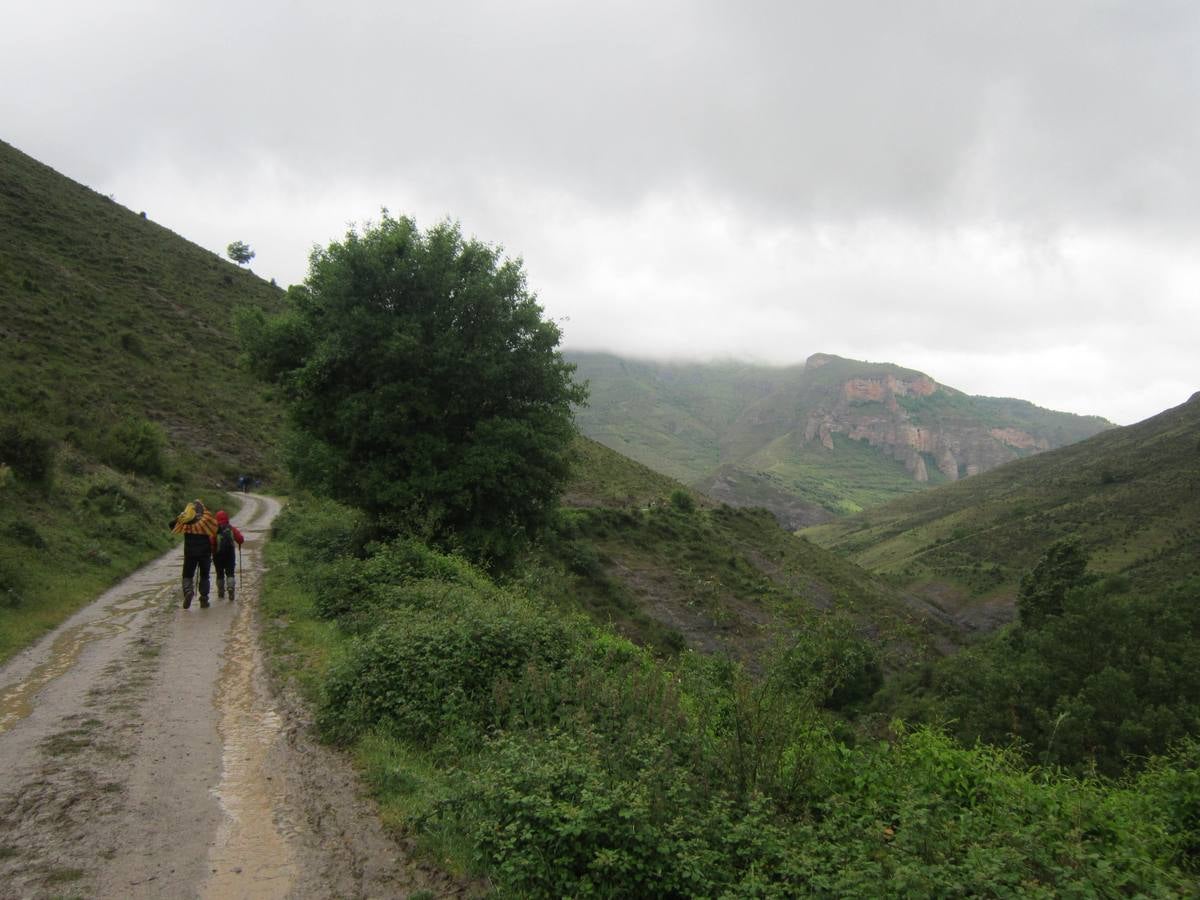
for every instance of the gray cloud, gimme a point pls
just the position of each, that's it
(997, 182)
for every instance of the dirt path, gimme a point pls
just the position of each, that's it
(143, 754)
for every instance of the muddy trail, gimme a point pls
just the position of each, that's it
(143, 753)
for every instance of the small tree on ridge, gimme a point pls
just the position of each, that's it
(240, 252)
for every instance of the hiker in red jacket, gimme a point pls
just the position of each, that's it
(228, 541)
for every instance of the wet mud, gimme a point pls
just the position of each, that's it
(146, 753)
(250, 856)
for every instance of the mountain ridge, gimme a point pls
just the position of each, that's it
(811, 441)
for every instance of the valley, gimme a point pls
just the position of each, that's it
(737, 631)
(811, 442)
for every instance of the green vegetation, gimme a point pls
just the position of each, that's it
(719, 580)
(603, 477)
(659, 694)
(1094, 677)
(520, 744)
(751, 435)
(109, 317)
(119, 397)
(1130, 497)
(855, 476)
(67, 536)
(240, 252)
(423, 385)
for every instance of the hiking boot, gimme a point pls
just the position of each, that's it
(204, 604)
(231, 593)
(187, 593)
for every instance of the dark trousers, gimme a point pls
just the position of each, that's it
(225, 569)
(190, 564)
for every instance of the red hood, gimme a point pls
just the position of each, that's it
(222, 517)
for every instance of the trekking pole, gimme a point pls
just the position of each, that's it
(240, 576)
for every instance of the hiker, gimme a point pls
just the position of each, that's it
(199, 530)
(244, 484)
(229, 541)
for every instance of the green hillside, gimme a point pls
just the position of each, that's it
(120, 394)
(810, 442)
(1132, 496)
(669, 567)
(671, 417)
(109, 315)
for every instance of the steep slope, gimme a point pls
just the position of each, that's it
(809, 442)
(119, 391)
(108, 315)
(1132, 495)
(673, 569)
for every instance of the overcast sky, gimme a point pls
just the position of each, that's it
(1004, 195)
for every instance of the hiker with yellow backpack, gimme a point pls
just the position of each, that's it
(199, 530)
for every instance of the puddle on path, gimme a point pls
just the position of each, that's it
(16, 699)
(251, 857)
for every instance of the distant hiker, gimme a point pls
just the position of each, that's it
(244, 484)
(199, 530)
(229, 540)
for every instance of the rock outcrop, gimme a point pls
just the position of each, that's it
(913, 419)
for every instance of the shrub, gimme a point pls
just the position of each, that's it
(683, 501)
(25, 534)
(552, 819)
(830, 662)
(401, 573)
(27, 450)
(11, 587)
(109, 499)
(132, 343)
(427, 674)
(322, 530)
(135, 445)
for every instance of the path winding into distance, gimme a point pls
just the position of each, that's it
(143, 754)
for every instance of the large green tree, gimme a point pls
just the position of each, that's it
(425, 386)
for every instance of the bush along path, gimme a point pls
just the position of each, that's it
(146, 756)
(549, 758)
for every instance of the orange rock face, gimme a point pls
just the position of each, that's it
(880, 390)
(957, 451)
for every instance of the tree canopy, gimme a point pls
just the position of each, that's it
(424, 385)
(1044, 590)
(240, 252)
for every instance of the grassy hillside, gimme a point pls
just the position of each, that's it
(1132, 495)
(120, 396)
(809, 442)
(109, 315)
(668, 567)
(671, 417)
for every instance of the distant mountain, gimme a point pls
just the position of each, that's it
(810, 442)
(1131, 495)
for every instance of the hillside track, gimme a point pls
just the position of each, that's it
(145, 754)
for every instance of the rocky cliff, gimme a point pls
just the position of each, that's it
(916, 421)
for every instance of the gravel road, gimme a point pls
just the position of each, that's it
(143, 753)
